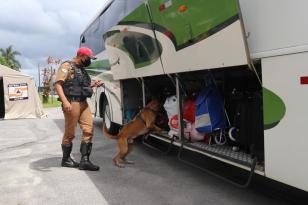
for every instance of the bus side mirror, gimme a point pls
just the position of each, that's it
(83, 39)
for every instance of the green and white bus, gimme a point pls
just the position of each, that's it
(148, 46)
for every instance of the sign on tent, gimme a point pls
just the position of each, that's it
(18, 91)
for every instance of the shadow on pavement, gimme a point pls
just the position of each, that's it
(154, 179)
(45, 165)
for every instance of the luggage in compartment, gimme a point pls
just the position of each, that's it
(210, 113)
(247, 108)
(190, 133)
(206, 111)
(170, 106)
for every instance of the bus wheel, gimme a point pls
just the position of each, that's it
(107, 114)
(112, 127)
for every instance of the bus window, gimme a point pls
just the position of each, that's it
(113, 15)
(141, 48)
(132, 5)
(93, 38)
(83, 40)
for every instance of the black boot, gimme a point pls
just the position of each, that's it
(67, 161)
(85, 163)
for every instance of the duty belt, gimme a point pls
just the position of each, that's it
(76, 99)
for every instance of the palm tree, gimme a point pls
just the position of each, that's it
(9, 56)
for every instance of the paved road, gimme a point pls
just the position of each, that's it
(30, 155)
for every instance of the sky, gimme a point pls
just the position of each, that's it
(42, 28)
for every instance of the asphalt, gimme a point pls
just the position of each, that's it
(30, 172)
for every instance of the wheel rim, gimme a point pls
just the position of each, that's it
(232, 134)
(220, 139)
(107, 116)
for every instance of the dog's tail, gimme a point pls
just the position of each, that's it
(106, 133)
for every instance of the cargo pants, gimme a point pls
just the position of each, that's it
(80, 113)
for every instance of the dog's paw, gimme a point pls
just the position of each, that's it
(158, 131)
(155, 130)
(161, 131)
(125, 161)
(118, 164)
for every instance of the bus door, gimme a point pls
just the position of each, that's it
(199, 34)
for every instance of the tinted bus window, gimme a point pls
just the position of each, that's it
(142, 49)
(92, 37)
(114, 14)
(131, 5)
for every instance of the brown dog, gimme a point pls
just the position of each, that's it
(140, 125)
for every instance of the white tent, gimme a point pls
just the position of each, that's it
(21, 99)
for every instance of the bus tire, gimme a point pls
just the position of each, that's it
(105, 113)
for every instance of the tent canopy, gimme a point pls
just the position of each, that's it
(21, 99)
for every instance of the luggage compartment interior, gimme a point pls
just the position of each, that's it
(241, 93)
(132, 98)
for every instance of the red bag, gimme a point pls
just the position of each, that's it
(189, 110)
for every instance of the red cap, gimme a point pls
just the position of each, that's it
(86, 51)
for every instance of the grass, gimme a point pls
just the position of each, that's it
(52, 102)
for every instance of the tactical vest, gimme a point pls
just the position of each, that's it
(78, 87)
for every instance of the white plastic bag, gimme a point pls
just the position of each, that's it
(170, 106)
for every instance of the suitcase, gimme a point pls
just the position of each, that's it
(248, 118)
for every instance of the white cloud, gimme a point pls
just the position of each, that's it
(27, 16)
(42, 28)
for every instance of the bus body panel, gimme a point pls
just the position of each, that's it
(209, 42)
(121, 65)
(113, 92)
(275, 27)
(286, 150)
(135, 37)
(216, 51)
(136, 50)
(204, 36)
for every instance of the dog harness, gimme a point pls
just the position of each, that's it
(139, 114)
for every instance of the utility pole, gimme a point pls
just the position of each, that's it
(39, 77)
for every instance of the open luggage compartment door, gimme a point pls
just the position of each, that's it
(199, 34)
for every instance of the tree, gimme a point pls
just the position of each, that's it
(3, 61)
(9, 58)
(48, 75)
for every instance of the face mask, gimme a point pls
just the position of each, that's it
(86, 62)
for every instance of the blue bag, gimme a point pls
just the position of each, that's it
(209, 112)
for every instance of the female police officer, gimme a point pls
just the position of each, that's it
(74, 86)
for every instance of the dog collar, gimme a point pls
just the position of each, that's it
(147, 108)
(140, 118)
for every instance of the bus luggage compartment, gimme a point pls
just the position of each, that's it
(244, 115)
